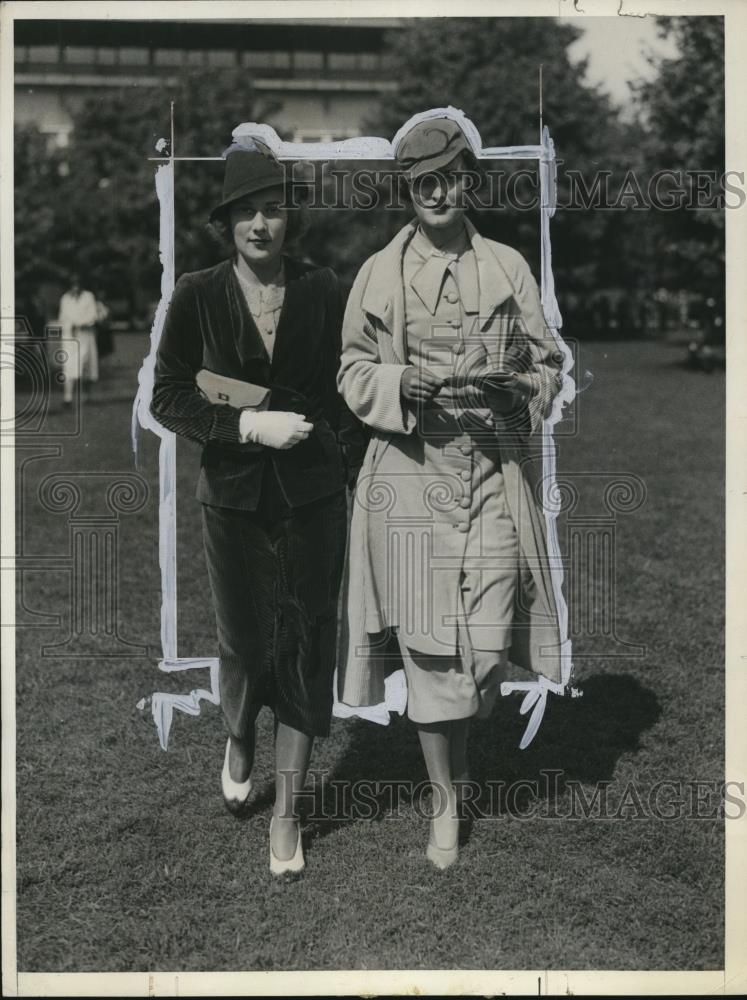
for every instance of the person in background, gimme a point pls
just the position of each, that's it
(77, 318)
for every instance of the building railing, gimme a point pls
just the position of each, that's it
(114, 62)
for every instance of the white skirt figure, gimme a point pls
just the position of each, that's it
(83, 362)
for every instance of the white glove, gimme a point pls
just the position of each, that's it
(273, 428)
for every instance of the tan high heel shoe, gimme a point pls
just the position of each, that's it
(294, 864)
(442, 857)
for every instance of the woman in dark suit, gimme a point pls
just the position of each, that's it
(272, 478)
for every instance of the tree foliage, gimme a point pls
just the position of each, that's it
(682, 110)
(93, 205)
(489, 68)
(37, 195)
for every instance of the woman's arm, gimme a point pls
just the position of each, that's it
(370, 387)
(177, 403)
(351, 433)
(541, 371)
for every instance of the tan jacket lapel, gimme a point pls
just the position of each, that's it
(495, 285)
(384, 296)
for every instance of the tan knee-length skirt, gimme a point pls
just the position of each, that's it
(466, 682)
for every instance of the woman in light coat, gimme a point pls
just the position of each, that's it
(448, 548)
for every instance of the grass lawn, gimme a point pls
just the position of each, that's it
(128, 860)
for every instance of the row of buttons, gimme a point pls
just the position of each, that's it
(465, 475)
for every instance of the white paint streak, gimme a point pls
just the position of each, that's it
(162, 703)
(362, 148)
(395, 700)
(373, 147)
(535, 699)
(142, 417)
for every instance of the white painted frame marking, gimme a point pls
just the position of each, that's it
(362, 148)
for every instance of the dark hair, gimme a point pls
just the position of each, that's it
(299, 221)
(77, 275)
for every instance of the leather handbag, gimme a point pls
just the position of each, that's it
(232, 391)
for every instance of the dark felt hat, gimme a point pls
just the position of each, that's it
(250, 167)
(429, 146)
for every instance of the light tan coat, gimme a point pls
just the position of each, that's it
(374, 355)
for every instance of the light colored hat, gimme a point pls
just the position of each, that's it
(429, 146)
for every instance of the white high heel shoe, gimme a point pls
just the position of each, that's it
(442, 857)
(294, 864)
(235, 793)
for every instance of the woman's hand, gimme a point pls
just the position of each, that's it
(501, 399)
(420, 383)
(515, 390)
(279, 429)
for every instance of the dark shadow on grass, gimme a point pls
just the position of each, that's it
(583, 738)
(372, 777)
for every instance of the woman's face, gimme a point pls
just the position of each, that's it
(258, 223)
(439, 197)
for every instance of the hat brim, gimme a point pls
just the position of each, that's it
(251, 187)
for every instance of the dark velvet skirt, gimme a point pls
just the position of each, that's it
(275, 576)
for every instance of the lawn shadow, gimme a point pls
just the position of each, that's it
(581, 737)
(372, 776)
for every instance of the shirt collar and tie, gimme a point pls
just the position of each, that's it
(431, 266)
(264, 303)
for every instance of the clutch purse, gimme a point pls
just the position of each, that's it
(232, 391)
(482, 380)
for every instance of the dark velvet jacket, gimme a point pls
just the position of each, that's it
(209, 325)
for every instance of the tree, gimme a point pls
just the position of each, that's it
(93, 206)
(37, 185)
(682, 111)
(489, 68)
